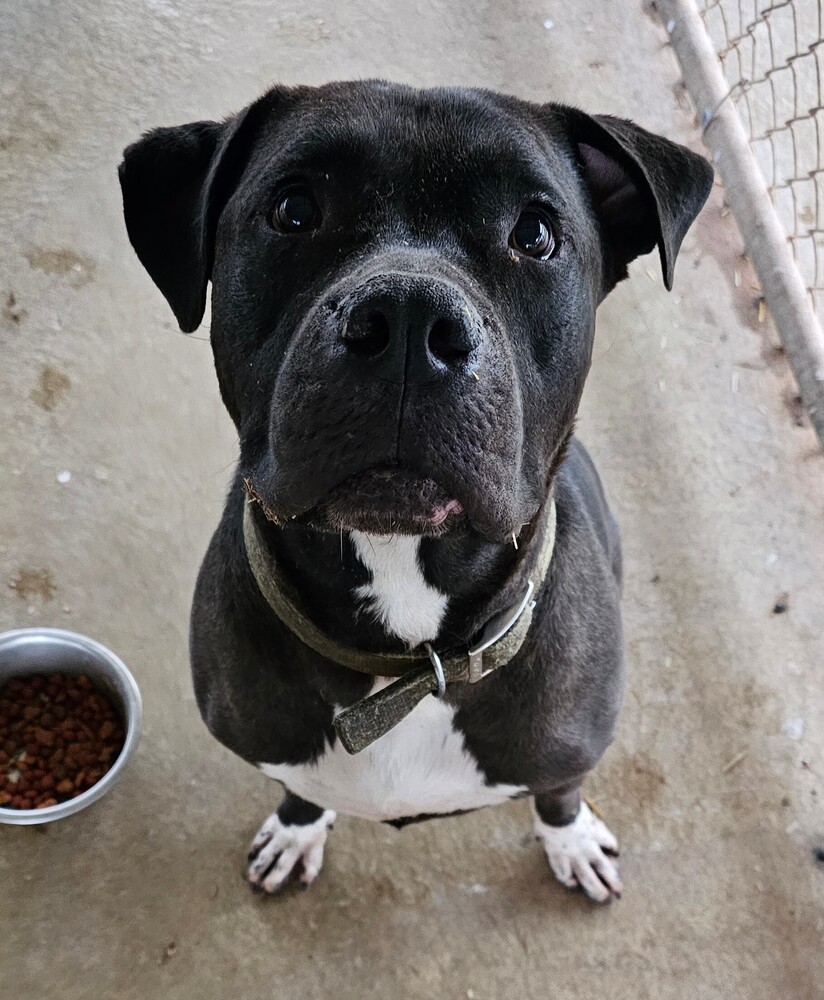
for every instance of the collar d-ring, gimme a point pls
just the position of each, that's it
(437, 666)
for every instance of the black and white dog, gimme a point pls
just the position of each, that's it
(404, 285)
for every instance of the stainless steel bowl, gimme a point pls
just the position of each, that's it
(53, 650)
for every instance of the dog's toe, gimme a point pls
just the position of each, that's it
(583, 854)
(281, 851)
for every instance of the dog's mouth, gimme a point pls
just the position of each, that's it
(387, 500)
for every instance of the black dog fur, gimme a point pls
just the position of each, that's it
(417, 192)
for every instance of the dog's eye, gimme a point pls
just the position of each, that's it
(296, 211)
(532, 235)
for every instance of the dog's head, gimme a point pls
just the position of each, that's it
(404, 285)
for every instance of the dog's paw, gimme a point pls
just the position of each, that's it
(582, 854)
(280, 851)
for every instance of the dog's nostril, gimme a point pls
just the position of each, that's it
(368, 336)
(446, 342)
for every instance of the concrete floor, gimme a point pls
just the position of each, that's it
(715, 781)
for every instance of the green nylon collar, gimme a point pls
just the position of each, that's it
(421, 671)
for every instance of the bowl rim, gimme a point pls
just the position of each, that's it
(131, 706)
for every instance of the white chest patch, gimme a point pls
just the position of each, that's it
(420, 766)
(398, 595)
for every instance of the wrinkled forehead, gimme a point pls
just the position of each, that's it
(418, 139)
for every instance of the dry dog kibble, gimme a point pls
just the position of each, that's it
(58, 736)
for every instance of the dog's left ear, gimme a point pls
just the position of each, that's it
(645, 190)
(175, 183)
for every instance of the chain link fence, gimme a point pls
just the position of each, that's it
(772, 54)
(755, 72)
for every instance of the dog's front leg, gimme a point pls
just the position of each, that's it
(289, 844)
(580, 848)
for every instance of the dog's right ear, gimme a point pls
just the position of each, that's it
(175, 183)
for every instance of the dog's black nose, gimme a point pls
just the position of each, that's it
(411, 327)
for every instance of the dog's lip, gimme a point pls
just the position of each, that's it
(394, 497)
(442, 512)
